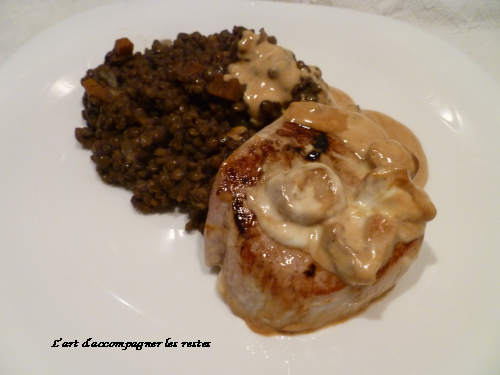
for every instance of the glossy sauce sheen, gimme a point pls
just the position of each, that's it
(269, 72)
(399, 132)
(327, 206)
(305, 292)
(348, 227)
(379, 126)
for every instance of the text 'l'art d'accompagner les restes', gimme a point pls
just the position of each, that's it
(124, 345)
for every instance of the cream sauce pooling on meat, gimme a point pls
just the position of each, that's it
(398, 132)
(370, 135)
(269, 72)
(291, 203)
(360, 222)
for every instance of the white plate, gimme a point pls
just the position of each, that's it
(77, 262)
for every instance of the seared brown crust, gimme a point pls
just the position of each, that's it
(273, 287)
(244, 169)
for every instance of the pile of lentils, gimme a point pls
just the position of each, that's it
(160, 123)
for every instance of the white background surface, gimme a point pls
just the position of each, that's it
(57, 282)
(473, 26)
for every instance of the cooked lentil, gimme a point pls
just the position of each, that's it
(159, 122)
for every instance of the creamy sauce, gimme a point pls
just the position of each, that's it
(316, 116)
(402, 146)
(292, 203)
(349, 230)
(269, 72)
(397, 131)
(341, 99)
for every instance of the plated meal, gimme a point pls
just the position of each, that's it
(311, 206)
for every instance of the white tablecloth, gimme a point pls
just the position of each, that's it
(473, 26)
